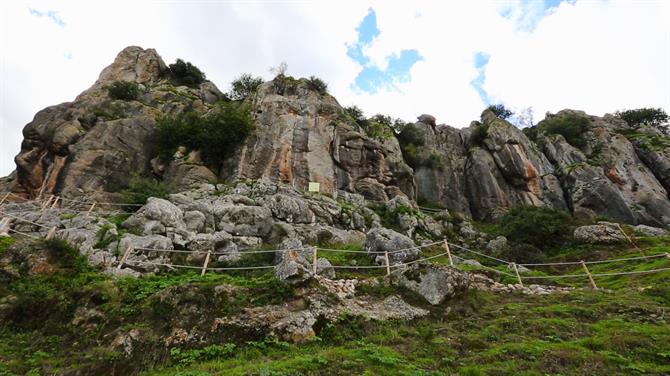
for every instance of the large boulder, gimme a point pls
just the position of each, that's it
(433, 282)
(400, 248)
(245, 220)
(598, 234)
(294, 262)
(155, 217)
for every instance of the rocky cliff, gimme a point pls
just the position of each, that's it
(93, 145)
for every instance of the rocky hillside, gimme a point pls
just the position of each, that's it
(92, 146)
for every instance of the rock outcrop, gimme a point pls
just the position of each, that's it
(94, 145)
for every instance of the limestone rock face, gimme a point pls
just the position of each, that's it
(608, 178)
(599, 234)
(509, 170)
(400, 248)
(304, 136)
(95, 144)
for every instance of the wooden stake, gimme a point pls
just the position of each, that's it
(5, 198)
(125, 257)
(446, 246)
(516, 271)
(46, 204)
(627, 237)
(204, 266)
(51, 233)
(55, 202)
(388, 263)
(588, 273)
(88, 213)
(314, 254)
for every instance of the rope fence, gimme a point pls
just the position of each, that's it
(53, 202)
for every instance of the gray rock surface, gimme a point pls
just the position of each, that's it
(400, 248)
(598, 234)
(435, 283)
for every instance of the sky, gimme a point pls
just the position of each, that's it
(449, 59)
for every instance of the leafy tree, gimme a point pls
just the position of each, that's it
(655, 117)
(244, 86)
(215, 134)
(500, 111)
(185, 73)
(357, 114)
(123, 90)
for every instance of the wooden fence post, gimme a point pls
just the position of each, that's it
(204, 266)
(627, 237)
(588, 273)
(55, 202)
(388, 263)
(90, 210)
(46, 203)
(314, 260)
(51, 233)
(446, 246)
(516, 271)
(5, 198)
(125, 257)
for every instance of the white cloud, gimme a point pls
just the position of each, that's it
(594, 55)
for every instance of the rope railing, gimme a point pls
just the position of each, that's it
(53, 201)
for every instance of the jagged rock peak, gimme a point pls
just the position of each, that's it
(134, 63)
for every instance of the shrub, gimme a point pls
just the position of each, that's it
(655, 117)
(530, 132)
(478, 134)
(541, 227)
(411, 134)
(572, 126)
(216, 134)
(244, 86)
(523, 253)
(285, 85)
(123, 90)
(356, 114)
(140, 189)
(317, 84)
(185, 73)
(500, 111)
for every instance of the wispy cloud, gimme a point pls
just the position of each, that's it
(51, 14)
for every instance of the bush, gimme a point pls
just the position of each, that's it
(285, 85)
(244, 86)
(356, 114)
(317, 84)
(215, 134)
(541, 227)
(140, 189)
(123, 90)
(479, 134)
(655, 117)
(500, 111)
(411, 134)
(521, 253)
(185, 73)
(572, 126)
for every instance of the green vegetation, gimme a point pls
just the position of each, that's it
(185, 73)
(5, 242)
(572, 126)
(479, 134)
(500, 111)
(648, 141)
(244, 86)
(140, 189)
(123, 90)
(541, 227)
(653, 117)
(316, 84)
(216, 134)
(112, 110)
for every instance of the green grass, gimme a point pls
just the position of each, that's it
(581, 333)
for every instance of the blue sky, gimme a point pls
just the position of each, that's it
(445, 58)
(373, 78)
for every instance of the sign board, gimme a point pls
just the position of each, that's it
(314, 187)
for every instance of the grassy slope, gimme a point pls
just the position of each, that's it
(623, 331)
